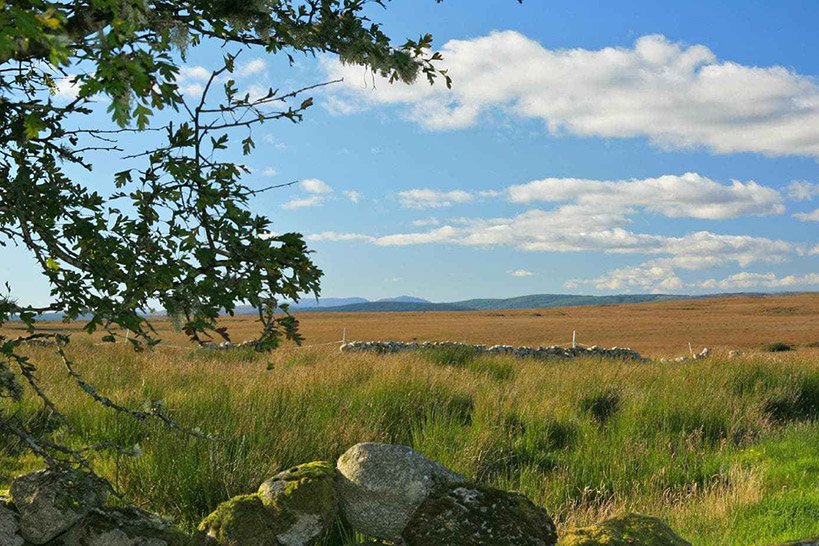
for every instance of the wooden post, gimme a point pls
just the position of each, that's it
(574, 339)
(690, 350)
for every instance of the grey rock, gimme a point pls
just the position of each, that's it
(121, 527)
(9, 527)
(476, 515)
(381, 485)
(552, 352)
(50, 502)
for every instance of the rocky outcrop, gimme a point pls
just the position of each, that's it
(65, 508)
(122, 527)
(385, 492)
(51, 502)
(294, 508)
(381, 485)
(551, 352)
(626, 530)
(9, 525)
(475, 515)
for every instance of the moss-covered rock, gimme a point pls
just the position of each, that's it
(293, 508)
(243, 521)
(626, 530)
(476, 515)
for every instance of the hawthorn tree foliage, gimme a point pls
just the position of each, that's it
(175, 231)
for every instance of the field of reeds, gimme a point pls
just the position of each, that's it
(726, 450)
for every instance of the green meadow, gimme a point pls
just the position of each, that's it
(726, 450)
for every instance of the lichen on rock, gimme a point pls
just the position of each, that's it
(9, 525)
(127, 526)
(476, 515)
(50, 502)
(626, 530)
(381, 485)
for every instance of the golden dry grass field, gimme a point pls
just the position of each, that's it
(726, 450)
(655, 329)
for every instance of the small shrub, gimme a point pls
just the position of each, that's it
(454, 355)
(778, 347)
(601, 406)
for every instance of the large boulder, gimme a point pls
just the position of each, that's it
(626, 530)
(50, 502)
(293, 508)
(9, 524)
(475, 515)
(122, 527)
(380, 486)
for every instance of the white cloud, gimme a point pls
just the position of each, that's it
(250, 68)
(649, 277)
(674, 94)
(761, 280)
(336, 236)
(315, 186)
(67, 88)
(807, 216)
(423, 222)
(521, 273)
(432, 199)
(269, 171)
(318, 192)
(195, 72)
(353, 196)
(301, 202)
(802, 191)
(690, 195)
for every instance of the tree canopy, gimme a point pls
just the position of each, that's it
(176, 230)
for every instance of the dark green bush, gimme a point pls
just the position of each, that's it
(601, 406)
(778, 347)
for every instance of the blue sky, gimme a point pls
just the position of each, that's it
(636, 147)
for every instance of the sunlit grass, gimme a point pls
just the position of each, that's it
(726, 450)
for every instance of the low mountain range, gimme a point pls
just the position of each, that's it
(533, 301)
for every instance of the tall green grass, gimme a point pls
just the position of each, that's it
(703, 444)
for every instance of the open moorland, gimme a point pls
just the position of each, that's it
(725, 449)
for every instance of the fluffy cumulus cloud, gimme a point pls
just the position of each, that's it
(807, 216)
(432, 199)
(802, 191)
(315, 186)
(317, 193)
(674, 94)
(745, 280)
(689, 195)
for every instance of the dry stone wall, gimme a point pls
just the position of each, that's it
(550, 352)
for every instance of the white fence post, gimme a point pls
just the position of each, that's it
(574, 339)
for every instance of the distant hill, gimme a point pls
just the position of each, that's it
(405, 299)
(534, 301)
(411, 303)
(388, 306)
